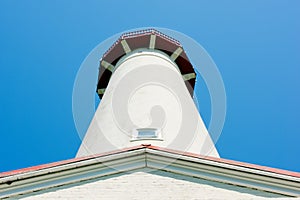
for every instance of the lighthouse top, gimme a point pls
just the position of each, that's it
(144, 39)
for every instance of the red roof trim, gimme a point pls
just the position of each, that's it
(231, 162)
(59, 163)
(149, 146)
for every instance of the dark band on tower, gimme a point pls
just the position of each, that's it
(145, 39)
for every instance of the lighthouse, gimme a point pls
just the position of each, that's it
(146, 86)
(147, 139)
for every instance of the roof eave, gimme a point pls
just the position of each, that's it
(154, 158)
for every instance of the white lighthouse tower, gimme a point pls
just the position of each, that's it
(146, 84)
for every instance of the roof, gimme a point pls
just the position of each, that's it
(151, 185)
(215, 169)
(144, 39)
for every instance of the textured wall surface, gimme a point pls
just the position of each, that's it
(151, 185)
(147, 91)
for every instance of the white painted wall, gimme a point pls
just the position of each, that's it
(147, 90)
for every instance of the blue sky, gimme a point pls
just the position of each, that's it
(255, 45)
